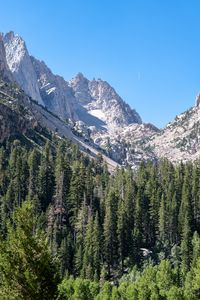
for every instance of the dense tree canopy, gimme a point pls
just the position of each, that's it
(128, 235)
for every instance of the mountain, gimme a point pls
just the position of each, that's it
(180, 139)
(20, 65)
(93, 108)
(102, 101)
(20, 114)
(23, 117)
(92, 112)
(93, 102)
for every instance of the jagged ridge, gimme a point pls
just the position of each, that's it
(95, 111)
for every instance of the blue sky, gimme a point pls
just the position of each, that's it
(148, 50)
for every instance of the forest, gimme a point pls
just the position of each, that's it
(71, 230)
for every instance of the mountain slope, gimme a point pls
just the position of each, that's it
(96, 115)
(180, 139)
(93, 108)
(20, 115)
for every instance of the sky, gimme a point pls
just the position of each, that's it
(148, 50)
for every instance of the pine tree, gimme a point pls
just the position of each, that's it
(27, 268)
(34, 163)
(3, 172)
(196, 195)
(173, 221)
(185, 211)
(162, 219)
(87, 270)
(76, 190)
(121, 228)
(97, 247)
(186, 251)
(138, 225)
(125, 224)
(110, 230)
(195, 248)
(46, 178)
(79, 234)
(153, 193)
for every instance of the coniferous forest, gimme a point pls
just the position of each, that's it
(71, 230)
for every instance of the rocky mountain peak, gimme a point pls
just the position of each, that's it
(103, 102)
(15, 50)
(80, 76)
(79, 84)
(20, 65)
(9, 35)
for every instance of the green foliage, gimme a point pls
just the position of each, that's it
(136, 229)
(77, 289)
(27, 269)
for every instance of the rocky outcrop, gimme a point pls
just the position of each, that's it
(102, 101)
(57, 96)
(80, 86)
(127, 145)
(4, 70)
(20, 65)
(180, 139)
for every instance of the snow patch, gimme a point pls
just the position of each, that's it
(45, 85)
(51, 90)
(98, 113)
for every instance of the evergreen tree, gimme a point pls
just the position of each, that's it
(87, 270)
(97, 247)
(196, 195)
(28, 271)
(186, 250)
(110, 230)
(46, 178)
(76, 190)
(34, 163)
(79, 234)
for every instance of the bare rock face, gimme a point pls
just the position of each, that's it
(80, 86)
(180, 139)
(102, 101)
(4, 70)
(20, 65)
(57, 96)
(127, 145)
